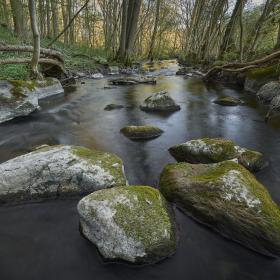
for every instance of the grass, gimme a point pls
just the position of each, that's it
(77, 57)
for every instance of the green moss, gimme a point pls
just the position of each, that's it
(144, 217)
(206, 188)
(20, 85)
(220, 149)
(272, 71)
(106, 160)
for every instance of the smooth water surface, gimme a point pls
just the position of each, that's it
(42, 240)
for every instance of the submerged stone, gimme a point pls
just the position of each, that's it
(141, 132)
(111, 107)
(133, 81)
(213, 150)
(268, 91)
(160, 101)
(133, 224)
(227, 198)
(54, 171)
(228, 101)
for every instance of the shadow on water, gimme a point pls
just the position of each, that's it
(42, 241)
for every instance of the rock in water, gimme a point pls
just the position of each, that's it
(141, 132)
(160, 101)
(133, 81)
(133, 224)
(228, 101)
(111, 107)
(269, 91)
(213, 150)
(16, 101)
(48, 87)
(56, 171)
(227, 198)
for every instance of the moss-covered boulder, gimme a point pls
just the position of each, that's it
(141, 132)
(228, 101)
(55, 171)
(213, 150)
(228, 198)
(160, 101)
(132, 224)
(268, 91)
(256, 78)
(16, 100)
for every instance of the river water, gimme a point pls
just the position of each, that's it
(42, 240)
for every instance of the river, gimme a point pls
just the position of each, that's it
(42, 240)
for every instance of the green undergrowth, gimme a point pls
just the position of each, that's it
(272, 71)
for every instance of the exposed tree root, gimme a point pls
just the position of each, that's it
(272, 58)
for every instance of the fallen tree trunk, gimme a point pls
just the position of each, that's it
(47, 61)
(47, 52)
(241, 67)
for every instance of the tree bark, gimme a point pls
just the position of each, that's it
(152, 46)
(35, 74)
(18, 17)
(230, 27)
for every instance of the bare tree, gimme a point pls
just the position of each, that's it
(35, 74)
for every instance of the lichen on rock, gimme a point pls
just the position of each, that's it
(213, 150)
(160, 101)
(268, 91)
(141, 132)
(54, 171)
(133, 224)
(228, 198)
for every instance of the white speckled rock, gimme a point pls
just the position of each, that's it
(228, 198)
(160, 101)
(131, 224)
(268, 91)
(47, 88)
(16, 103)
(213, 150)
(57, 171)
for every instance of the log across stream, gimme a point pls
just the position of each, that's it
(42, 240)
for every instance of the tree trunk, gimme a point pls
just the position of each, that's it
(18, 17)
(35, 74)
(152, 46)
(277, 46)
(121, 53)
(54, 17)
(230, 27)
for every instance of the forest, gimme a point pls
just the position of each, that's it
(139, 139)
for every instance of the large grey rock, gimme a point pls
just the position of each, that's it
(160, 101)
(227, 198)
(213, 150)
(274, 107)
(16, 101)
(20, 98)
(55, 171)
(130, 223)
(268, 91)
(253, 85)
